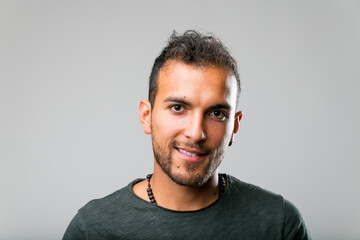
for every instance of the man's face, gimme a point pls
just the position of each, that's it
(192, 121)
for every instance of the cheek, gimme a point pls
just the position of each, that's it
(165, 126)
(222, 132)
(218, 133)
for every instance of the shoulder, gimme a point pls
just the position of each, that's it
(110, 205)
(99, 214)
(250, 200)
(269, 206)
(294, 224)
(249, 192)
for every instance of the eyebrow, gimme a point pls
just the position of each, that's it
(182, 101)
(177, 100)
(218, 106)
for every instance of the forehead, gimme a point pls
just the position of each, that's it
(200, 83)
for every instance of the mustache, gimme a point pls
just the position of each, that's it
(175, 143)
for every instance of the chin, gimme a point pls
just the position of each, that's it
(193, 179)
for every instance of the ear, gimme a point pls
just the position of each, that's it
(238, 117)
(145, 115)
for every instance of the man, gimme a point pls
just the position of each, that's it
(191, 116)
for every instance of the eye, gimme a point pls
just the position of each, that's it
(219, 115)
(177, 108)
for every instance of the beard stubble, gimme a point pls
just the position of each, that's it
(196, 177)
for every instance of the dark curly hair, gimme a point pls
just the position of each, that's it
(195, 49)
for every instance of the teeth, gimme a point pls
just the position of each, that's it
(188, 153)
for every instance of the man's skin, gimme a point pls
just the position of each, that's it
(195, 111)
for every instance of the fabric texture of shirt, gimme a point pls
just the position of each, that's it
(243, 211)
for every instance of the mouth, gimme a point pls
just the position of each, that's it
(192, 155)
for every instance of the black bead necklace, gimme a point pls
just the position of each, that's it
(149, 190)
(222, 187)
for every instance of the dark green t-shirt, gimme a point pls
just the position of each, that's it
(243, 211)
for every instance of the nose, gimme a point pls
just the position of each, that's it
(194, 128)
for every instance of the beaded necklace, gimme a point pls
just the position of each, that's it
(222, 187)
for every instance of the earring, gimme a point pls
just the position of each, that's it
(231, 142)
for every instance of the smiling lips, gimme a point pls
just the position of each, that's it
(192, 155)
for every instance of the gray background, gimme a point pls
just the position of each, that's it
(72, 74)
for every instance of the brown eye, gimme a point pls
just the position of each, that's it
(219, 115)
(177, 108)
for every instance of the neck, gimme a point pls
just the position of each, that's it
(171, 195)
